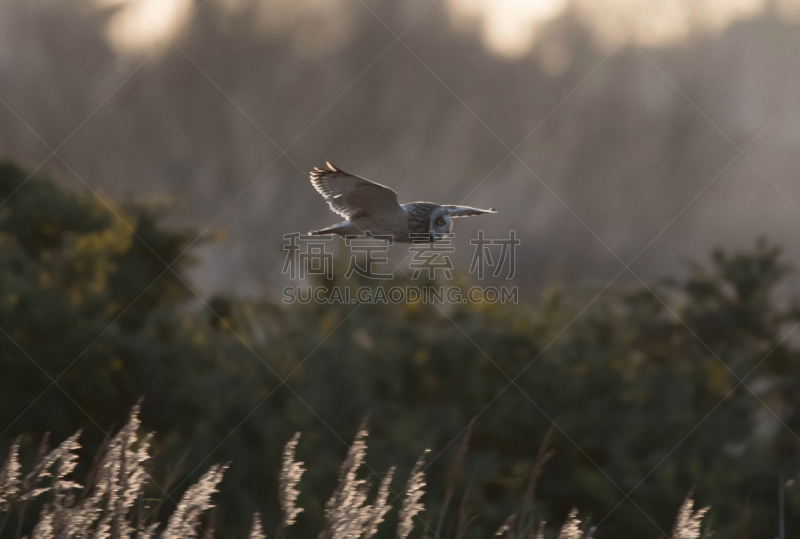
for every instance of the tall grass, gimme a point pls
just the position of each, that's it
(111, 503)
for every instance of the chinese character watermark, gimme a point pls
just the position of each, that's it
(431, 256)
(482, 256)
(374, 253)
(307, 255)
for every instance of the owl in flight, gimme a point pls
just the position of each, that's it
(371, 207)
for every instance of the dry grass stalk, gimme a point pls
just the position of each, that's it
(257, 531)
(380, 507)
(454, 476)
(118, 478)
(411, 504)
(571, 528)
(345, 512)
(31, 484)
(10, 477)
(465, 515)
(291, 472)
(507, 529)
(688, 523)
(197, 499)
(57, 516)
(543, 456)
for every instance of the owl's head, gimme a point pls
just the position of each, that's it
(440, 224)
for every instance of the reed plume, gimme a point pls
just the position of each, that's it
(411, 504)
(291, 472)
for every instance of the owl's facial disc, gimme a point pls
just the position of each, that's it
(440, 224)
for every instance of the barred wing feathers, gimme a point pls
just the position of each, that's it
(351, 196)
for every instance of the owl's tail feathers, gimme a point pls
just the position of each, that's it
(341, 229)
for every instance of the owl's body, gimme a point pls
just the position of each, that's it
(372, 208)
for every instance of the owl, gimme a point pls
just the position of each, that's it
(370, 207)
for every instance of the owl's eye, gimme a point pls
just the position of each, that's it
(440, 221)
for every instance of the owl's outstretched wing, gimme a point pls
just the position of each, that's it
(351, 196)
(466, 211)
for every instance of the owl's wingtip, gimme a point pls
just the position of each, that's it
(320, 172)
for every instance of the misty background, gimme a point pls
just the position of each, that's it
(615, 137)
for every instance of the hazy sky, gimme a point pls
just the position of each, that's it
(510, 27)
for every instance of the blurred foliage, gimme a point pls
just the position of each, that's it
(86, 298)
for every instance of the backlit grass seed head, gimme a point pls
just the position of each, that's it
(345, 514)
(571, 528)
(185, 520)
(9, 477)
(380, 507)
(411, 504)
(257, 531)
(291, 472)
(688, 522)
